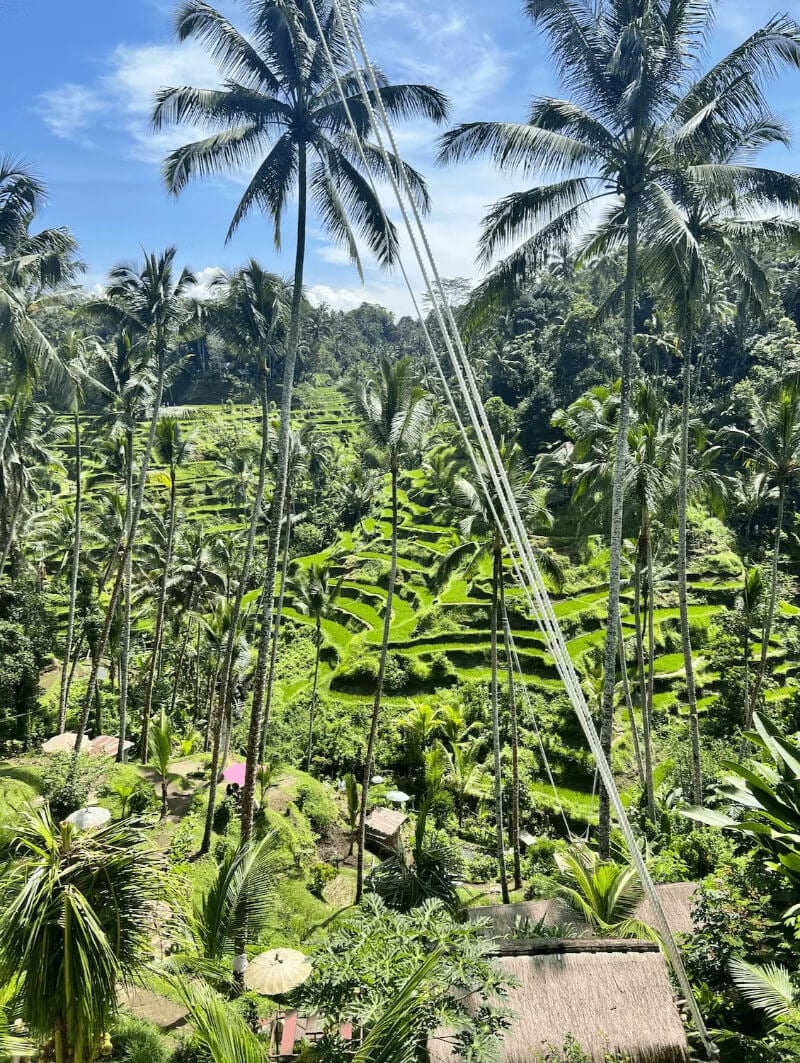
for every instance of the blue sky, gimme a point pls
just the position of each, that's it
(78, 79)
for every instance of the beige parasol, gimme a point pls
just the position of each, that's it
(277, 971)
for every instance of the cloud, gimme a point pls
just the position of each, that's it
(204, 280)
(68, 110)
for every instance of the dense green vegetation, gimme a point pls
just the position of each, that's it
(243, 537)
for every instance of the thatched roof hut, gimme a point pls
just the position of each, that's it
(676, 899)
(383, 827)
(610, 996)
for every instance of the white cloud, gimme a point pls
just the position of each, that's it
(204, 280)
(68, 110)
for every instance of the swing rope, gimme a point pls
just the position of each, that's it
(511, 527)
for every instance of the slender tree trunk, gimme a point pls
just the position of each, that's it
(116, 590)
(512, 710)
(626, 692)
(376, 706)
(683, 574)
(617, 509)
(497, 561)
(125, 635)
(181, 659)
(748, 712)
(651, 667)
(73, 583)
(318, 635)
(773, 596)
(276, 634)
(158, 634)
(9, 420)
(224, 699)
(12, 530)
(281, 479)
(642, 676)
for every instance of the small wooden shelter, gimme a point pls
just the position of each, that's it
(608, 995)
(383, 828)
(102, 746)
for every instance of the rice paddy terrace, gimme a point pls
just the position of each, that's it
(439, 636)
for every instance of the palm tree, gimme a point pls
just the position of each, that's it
(351, 796)
(77, 353)
(173, 448)
(484, 540)
(32, 268)
(393, 409)
(314, 597)
(160, 748)
(725, 226)
(465, 771)
(605, 894)
(75, 925)
(772, 446)
(638, 120)
(150, 302)
(280, 104)
(251, 317)
(751, 601)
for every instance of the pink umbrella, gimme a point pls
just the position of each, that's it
(235, 773)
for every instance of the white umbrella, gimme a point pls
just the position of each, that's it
(398, 797)
(92, 816)
(376, 780)
(277, 971)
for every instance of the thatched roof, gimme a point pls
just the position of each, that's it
(610, 996)
(385, 823)
(102, 746)
(676, 899)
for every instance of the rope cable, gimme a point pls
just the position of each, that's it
(523, 559)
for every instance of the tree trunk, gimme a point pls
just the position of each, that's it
(129, 543)
(12, 413)
(773, 596)
(73, 583)
(626, 692)
(376, 705)
(125, 635)
(683, 575)
(642, 676)
(181, 658)
(651, 667)
(617, 509)
(158, 634)
(276, 633)
(512, 711)
(281, 478)
(318, 635)
(497, 563)
(12, 528)
(224, 698)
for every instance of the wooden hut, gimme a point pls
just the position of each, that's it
(609, 996)
(383, 828)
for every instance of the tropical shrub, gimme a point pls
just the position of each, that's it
(134, 1040)
(66, 784)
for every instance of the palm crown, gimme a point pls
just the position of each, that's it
(279, 108)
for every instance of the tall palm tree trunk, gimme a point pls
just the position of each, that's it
(173, 698)
(773, 595)
(220, 714)
(276, 634)
(73, 582)
(647, 782)
(376, 705)
(281, 478)
(9, 420)
(512, 711)
(626, 693)
(318, 638)
(158, 634)
(617, 508)
(747, 713)
(651, 668)
(12, 528)
(125, 634)
(683, 575)
(117, 588)
(497, 575)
